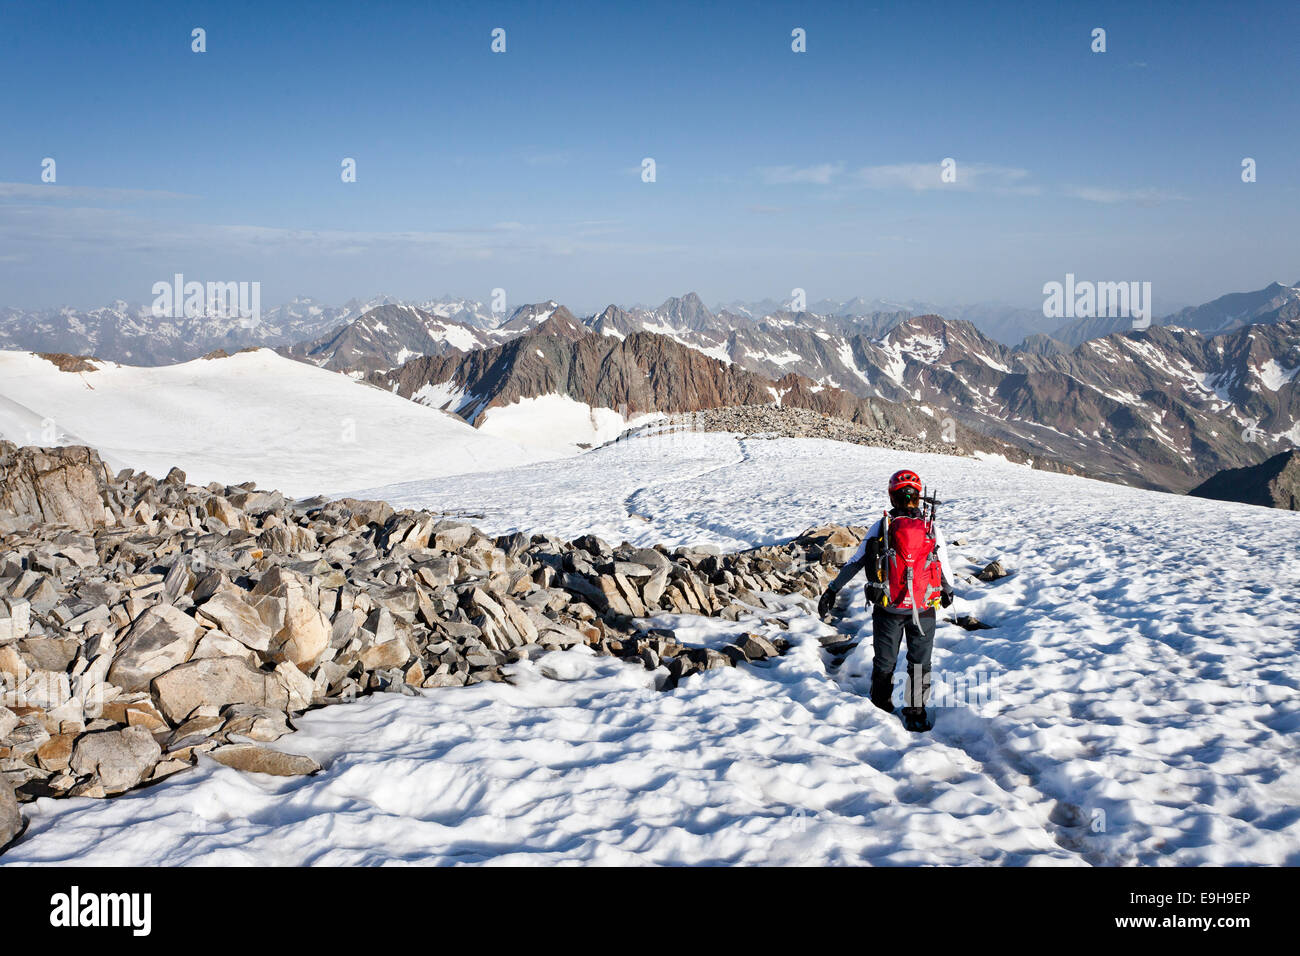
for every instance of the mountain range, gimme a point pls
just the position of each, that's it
(1162, 407)
(639, 373)
(1273, 303)
(129, 333)
(315, 331)
(132, 334)
(1210, 388)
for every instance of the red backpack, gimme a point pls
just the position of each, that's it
(910, 564)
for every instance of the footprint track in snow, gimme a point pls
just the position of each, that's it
(647, 514)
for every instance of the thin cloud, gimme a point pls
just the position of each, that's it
(53, 191)
(69, 230)
(597, 227)
(819, 175)
(561, 158)
(1137, 197)
(923, 176)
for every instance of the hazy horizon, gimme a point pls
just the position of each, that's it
(586, 310)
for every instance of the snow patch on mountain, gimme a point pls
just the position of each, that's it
(1273, 376)
(457, 336)
(845, 354)
(447, 396)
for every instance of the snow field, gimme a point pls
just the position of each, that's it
(254, 416)
(1139, 705)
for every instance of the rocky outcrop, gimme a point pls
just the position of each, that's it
(200, 619)
(778, 421)
(1273, 484)
(64, 486)
(71, 363)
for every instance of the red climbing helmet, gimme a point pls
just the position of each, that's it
(905, 488)
(905, 479)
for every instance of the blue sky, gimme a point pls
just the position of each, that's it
(521, 170)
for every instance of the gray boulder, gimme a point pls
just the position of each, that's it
(230, 609)
(301, 633)
(254, 722)
(214, 682)
(254, 759)
(119, 759)
(160, 639)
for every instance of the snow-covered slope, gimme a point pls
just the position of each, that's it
(254, 416)
(1135, 701)
(558, 424)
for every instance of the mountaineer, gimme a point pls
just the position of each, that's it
(908, 576)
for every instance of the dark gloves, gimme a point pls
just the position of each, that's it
(826, 602)
(945, 597)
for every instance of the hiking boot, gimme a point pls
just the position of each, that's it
(916, 719)
(882, 690)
